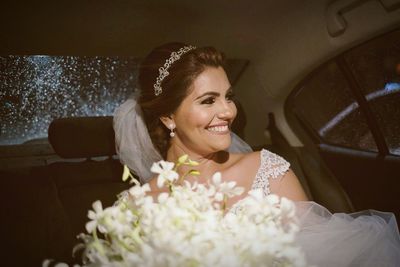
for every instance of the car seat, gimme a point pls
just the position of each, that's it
(88, 171)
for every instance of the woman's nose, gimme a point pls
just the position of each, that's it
(227, 111)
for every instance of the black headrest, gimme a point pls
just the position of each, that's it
(82, 137)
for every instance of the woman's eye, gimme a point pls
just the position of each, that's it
(208, 101)
(230, 96)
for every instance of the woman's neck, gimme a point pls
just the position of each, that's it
(208, 164)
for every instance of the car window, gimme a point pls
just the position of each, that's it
(353, 95)
(37, 89)
(376, 67)
(329, 106)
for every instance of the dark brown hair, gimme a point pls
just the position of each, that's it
(175, 87)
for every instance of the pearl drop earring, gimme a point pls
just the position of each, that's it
(172, 127)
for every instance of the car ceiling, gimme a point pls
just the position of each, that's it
(257, 30)
(283, 40)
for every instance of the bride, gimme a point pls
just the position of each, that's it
(185, 106)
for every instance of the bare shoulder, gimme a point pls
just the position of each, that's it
(288, 185)
(244, 167)
(285, 185)
(249, 161)
(255, 155)
(153, 183)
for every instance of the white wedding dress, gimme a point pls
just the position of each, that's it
(367, 238)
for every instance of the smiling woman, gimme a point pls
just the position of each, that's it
(176, 85)
(204, 117)
(188, 109)
(187, 112)
(352, 164)
(169, 105)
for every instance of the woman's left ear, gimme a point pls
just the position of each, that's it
(168, 121)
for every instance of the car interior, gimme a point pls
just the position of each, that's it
(317, 82)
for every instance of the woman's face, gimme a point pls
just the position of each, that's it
(204, 117)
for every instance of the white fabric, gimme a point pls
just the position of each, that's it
(367, 238)
(271, 166)
(134, 146)
(238, 145)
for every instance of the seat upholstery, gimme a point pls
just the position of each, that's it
(82, 137)
(89, 172)
(318, 182)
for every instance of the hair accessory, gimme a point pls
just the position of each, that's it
(172, 127)
(163, 71)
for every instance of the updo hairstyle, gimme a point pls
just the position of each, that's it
(175, 87)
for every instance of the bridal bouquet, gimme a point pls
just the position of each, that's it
(190, 225)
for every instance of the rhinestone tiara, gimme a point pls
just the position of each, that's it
(163, 71)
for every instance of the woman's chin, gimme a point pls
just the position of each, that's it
(222, 146)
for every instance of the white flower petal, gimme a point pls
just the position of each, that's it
(155, 168)
(146, 187)
(219, 196)
(167, 166)
(238, 191)
(160, 181)
(257, 194)
(97, 207)
(216, 178)
(273, 199)
(173, 176)
(91, 215)
(231, 184)
(162, 197)
(91, 226)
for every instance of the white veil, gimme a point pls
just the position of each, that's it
(134, 146)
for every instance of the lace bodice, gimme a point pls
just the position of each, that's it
(271, 166)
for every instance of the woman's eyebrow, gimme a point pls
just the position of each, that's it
(213, 93)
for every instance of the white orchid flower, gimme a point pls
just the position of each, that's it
(94, 215)
(187, 227)
(165, 172)
(139, 191)
(117, 221)
(256, 194)
(228, 189)
(273, 199)
(287, 206)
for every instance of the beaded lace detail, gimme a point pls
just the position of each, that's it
(271, 166)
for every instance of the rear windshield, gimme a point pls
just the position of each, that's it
(37, 89)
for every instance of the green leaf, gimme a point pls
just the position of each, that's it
(194, 172)
(126, 174)
(193, 163)
(134, 180)
(182, 159)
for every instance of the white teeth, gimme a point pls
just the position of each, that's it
(218, 128)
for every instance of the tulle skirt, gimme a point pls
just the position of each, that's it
(367, 238)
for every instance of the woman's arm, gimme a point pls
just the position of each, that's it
(288, 185)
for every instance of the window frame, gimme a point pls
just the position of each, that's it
(296, 119)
